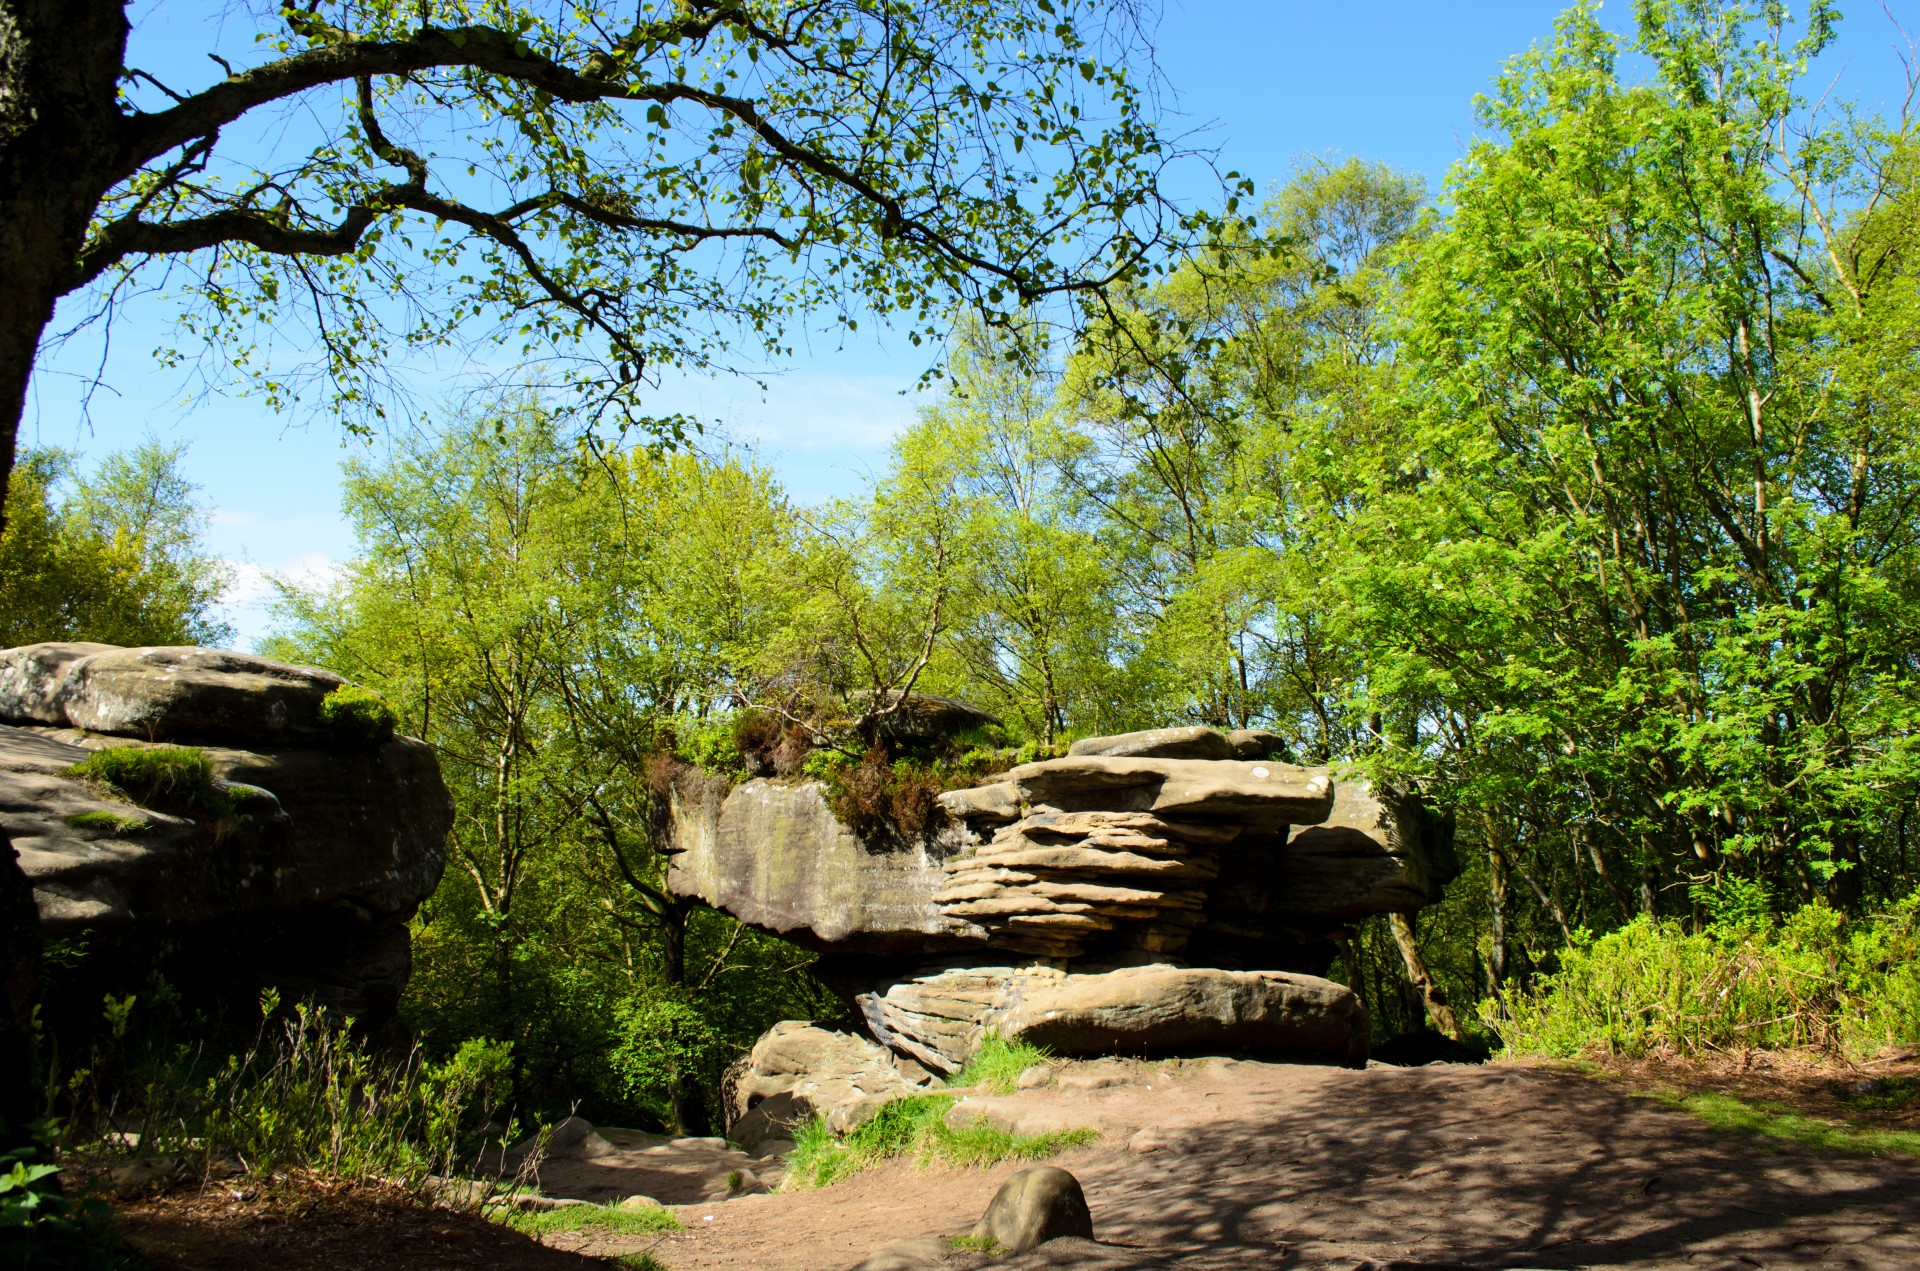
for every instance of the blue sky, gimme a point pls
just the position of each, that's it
(1271, 81)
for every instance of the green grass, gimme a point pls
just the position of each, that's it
(1724, 1112)
(997, 1065)
(357, 716)
(915, 1126)
(112, 824)
(639, 1262)
(612, 1219)
(170, 778)
(975, 1244)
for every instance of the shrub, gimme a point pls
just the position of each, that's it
(175, 779)
(1746, 981)
(357, 716)
(887, 804)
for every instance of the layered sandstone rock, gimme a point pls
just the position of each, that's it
(1165, 891)
(306, 884)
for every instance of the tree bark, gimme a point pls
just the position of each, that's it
(60, 63)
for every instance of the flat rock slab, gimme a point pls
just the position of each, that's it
(1266, 796)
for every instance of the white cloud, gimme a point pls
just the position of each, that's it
(235, 517)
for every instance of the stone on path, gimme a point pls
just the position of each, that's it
(1035, 1206)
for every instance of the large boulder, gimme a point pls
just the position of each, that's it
(940, 1013)
(300, 874)
(813, 1071)
(1165, 1009)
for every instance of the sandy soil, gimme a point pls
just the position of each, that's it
(303, 1225)
(1224, 1164)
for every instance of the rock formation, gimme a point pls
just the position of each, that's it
(1172, 890)
(298, 870)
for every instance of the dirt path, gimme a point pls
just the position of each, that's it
(1223, 1164)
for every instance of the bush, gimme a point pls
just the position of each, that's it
(887, 804)
(1746, 981)
(176, 779)
(357, 716)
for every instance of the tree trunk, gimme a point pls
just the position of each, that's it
(1431, 994)
(1497, 907)
(60, 63)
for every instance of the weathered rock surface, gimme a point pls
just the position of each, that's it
(307, 887)
(824, 1073)
(177, 694)
(774, 856)
(1035, 1206)
(1265, 796)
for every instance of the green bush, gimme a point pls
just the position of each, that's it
(357, 716)
(916, 1126)
(175, 779)
(1746, 981)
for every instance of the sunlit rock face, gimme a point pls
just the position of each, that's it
(326, 841)
(1165, 890)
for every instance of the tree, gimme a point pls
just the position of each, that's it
(115, 555)
(1634, 565)
(618, 192)
(550, 617)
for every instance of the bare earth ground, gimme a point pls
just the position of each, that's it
(1216, 1164)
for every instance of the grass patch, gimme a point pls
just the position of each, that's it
(612, 1219)
(639, 1262)
(1724, 1112)
(997, 1065)
(975, 1244)
(112, 824)
(357, 716)
(169, 778)
(915, 1126)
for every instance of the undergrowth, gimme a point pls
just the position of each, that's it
(305, 1095)
(915, 1126)
(1746, 981)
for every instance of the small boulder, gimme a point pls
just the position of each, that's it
(573, 1139)
(641, 1202)
(771, 1119)
(998, 803)
(1035, 1077)
(1035, 1206)
(1159, 743)
(1258, 743)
